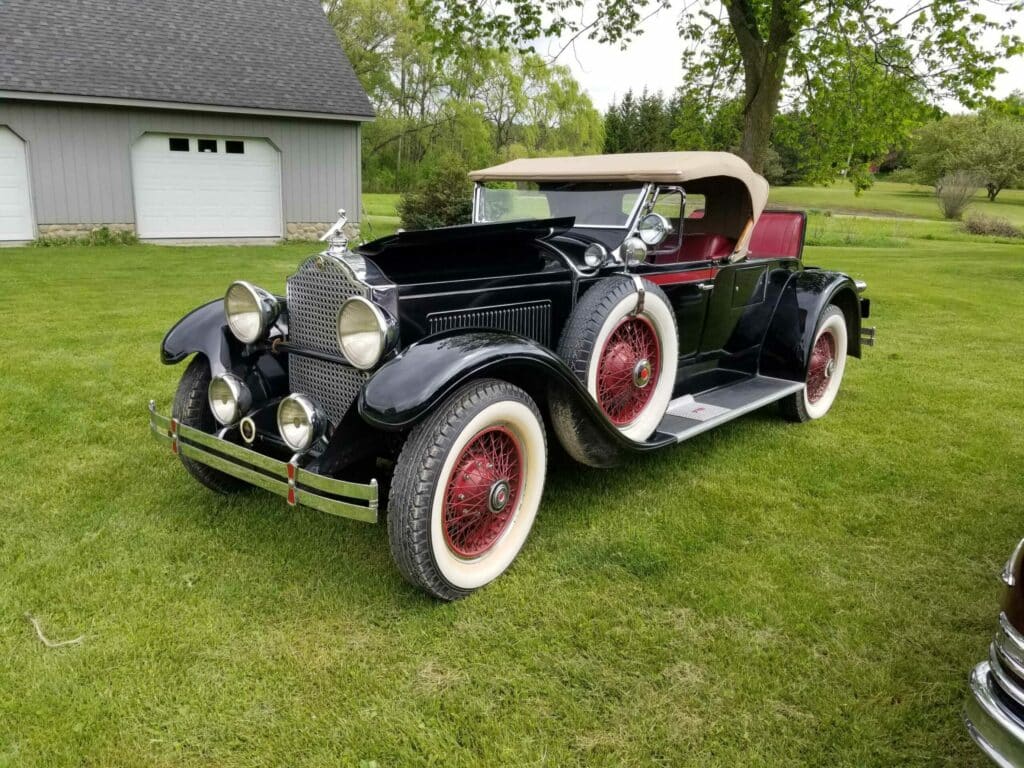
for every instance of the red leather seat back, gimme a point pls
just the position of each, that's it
(778, 234)
(702, 246)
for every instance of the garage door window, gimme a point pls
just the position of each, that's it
(178, 145)
(207, 145)
(234, 147)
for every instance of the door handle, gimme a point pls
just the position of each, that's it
(706, 286)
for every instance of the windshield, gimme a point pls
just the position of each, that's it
(593, 205)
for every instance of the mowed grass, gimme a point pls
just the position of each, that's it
(767, 594)
(893, 199)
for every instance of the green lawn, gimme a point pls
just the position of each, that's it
(768, 594)
(887, 199)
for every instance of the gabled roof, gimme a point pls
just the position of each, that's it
(659, 167)
(277, 55)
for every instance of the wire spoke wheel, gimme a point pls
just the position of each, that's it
(822, 366)
(482, 492)
(628, 370)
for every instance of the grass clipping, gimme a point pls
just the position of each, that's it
(47, 641)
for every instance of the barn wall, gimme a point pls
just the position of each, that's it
(80, 158)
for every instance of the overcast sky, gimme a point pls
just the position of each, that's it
(653, 60)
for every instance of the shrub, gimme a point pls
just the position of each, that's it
(444, 198)
(954, 192)
(980, 224)
(98, 236)
(904, 176)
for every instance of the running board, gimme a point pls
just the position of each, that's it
(691, 415)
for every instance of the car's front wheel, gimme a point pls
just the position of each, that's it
(466, 489)
(825, 369)
(192, 408)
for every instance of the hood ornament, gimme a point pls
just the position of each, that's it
(335, 237)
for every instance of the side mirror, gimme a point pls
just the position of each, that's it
(653, 229)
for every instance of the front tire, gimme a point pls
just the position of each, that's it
(466, 489)
(192, 408)
(825, 369)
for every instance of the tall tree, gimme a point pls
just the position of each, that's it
(756, 42)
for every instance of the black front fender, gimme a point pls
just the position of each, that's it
(408, 387)
(202, 330)
(787, 344)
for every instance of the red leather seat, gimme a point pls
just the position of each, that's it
(778, 234)
(704, 247)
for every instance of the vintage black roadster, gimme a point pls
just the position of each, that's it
(624, 303)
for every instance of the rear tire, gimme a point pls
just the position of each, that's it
(466, 489)
(192, 408)
(825, 369)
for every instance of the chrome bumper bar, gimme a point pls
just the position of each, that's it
(287, 479)
(994, 726)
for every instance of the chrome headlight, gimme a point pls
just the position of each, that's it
(595, 255)
(362, 332)
(653, 229)
(229, 398)
(250, 311)
(634, 251)
(301, 422)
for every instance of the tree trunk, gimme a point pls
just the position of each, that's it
(762, 103)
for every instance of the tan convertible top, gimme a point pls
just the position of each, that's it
(659, 167)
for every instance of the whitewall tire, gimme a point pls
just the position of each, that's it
(826, 365)
(466, 489)
(626, 359)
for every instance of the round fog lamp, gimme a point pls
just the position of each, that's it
(229, 398)
(595, 255)
(301, 422)
(250, 311)
(362, 332)
(634, 250)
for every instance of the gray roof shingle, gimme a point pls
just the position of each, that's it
(263, 54)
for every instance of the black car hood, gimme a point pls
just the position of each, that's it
(504, 234)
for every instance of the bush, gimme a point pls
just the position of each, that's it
(445, 198)
(954, 192)
(980, 224)
(98, 236)
(904, 176)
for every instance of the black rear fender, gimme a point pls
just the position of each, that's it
(787, 343)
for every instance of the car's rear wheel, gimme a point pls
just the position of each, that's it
(626, 358)
(466, 489)
(825, 369)
(192, 408)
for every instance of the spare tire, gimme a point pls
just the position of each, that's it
(626, 358)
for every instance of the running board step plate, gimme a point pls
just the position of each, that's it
(691, 415)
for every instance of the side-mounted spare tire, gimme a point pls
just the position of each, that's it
(624, 348)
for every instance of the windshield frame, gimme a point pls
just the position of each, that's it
(634, 214)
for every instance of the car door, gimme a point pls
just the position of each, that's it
(737, 288)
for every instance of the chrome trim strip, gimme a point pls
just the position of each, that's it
(245, 464)
(995, 731)
(1013, 565)
(1008, 685)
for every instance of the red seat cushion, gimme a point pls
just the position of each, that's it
(704, 247)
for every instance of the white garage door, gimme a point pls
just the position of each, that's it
(194, 186)
(15, 208)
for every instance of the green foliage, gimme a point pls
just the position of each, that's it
(101, 236)
(482, 104)
(990, 145)
(443, 199)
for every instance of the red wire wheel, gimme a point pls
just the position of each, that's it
(822, 366)
(628, 370)
(482, 492)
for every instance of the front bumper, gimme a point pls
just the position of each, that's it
(995, 710)
(299, 486)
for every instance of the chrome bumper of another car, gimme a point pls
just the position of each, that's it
(995, 709)
(287, 479)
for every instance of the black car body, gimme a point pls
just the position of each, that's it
(519, 300)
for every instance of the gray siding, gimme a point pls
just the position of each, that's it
(80, 158)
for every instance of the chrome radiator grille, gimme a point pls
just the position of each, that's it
(532, 320)
(315, 294)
